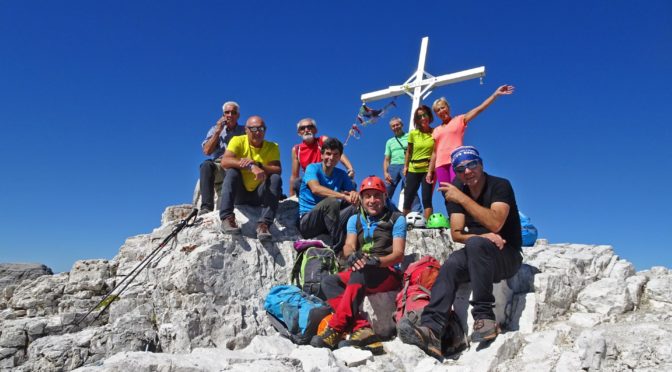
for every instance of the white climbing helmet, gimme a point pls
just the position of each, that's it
(415, 219)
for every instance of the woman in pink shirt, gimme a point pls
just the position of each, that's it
(450, 134)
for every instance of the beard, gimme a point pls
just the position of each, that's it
(308, 137)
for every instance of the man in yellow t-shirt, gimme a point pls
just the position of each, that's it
(252, 177)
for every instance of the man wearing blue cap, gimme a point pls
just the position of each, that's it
(483, 216)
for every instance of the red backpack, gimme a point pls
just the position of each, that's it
(419, 278)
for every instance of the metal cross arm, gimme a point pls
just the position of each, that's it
(426, 84)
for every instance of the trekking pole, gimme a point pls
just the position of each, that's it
(138, 268)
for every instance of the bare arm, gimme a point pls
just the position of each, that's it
(492, 218)
(398, 247)
(230, 160)
(432, 165)
(348, 166)
(325, 192)
(386, 165)
(350, 245)
(503, 90)
(458, 234)
(272, 167)
(211, 144)
(295, 172)
(407, 159)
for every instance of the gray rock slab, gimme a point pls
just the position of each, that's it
(606, 296)
(15, 273)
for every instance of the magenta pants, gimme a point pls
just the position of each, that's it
(444, 173)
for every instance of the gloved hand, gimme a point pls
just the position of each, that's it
(372, 261)
(356, 256)
(369, 261)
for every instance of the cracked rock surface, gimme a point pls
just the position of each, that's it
(198, 306)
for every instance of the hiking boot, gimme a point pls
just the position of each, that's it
(329, 338)
(204, 211)
(229, 225)
(364, 338)
(422, 337)
(262, 232)
(484, 330)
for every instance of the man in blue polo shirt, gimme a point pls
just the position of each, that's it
(327, 197)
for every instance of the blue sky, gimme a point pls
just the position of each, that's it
(103, 106)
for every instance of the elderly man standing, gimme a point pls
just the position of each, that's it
(483, 216)
(393, 165)
(214, 145)
(252, 177)
(327, 197)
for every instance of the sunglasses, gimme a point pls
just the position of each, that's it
(261, 129)
(304, 127)
(423, 115)
(471, 165)
(231, 112)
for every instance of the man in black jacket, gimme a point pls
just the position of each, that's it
(483, 216)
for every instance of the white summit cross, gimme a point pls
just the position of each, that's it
(421, 83)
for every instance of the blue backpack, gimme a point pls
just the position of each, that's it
(528, 230)
(294, 313)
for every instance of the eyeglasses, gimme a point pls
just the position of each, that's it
(261, 129)
(305, 127)
(471, 165)
(423, 115)
(230, 112)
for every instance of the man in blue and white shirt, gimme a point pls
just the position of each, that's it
(214, 145)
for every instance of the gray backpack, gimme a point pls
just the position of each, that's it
(311, 266)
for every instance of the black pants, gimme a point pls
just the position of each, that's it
(266, 194)
(210, 171)
(479, 262)
(329, 216)
(413, 181)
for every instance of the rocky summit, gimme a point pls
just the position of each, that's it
(198, 306)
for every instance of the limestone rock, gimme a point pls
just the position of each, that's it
(606, 296)
(15, 273)
(198, 306)
(352, 357)
(659, 288)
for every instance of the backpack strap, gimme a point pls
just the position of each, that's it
(296, 270)
(402, 146)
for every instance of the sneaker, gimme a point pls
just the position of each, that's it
(329, 338)
(262, 232)
(422, 337)
(229, 225)
(484, 330)
(364, 338)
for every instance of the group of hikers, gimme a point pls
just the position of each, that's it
(367, 231)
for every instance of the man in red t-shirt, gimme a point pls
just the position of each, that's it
(308, 152)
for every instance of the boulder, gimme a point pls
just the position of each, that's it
(607, 296)
(15, 273)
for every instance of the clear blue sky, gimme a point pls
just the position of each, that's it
(103, 106)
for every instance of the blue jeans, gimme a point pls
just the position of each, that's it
(395, 171)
